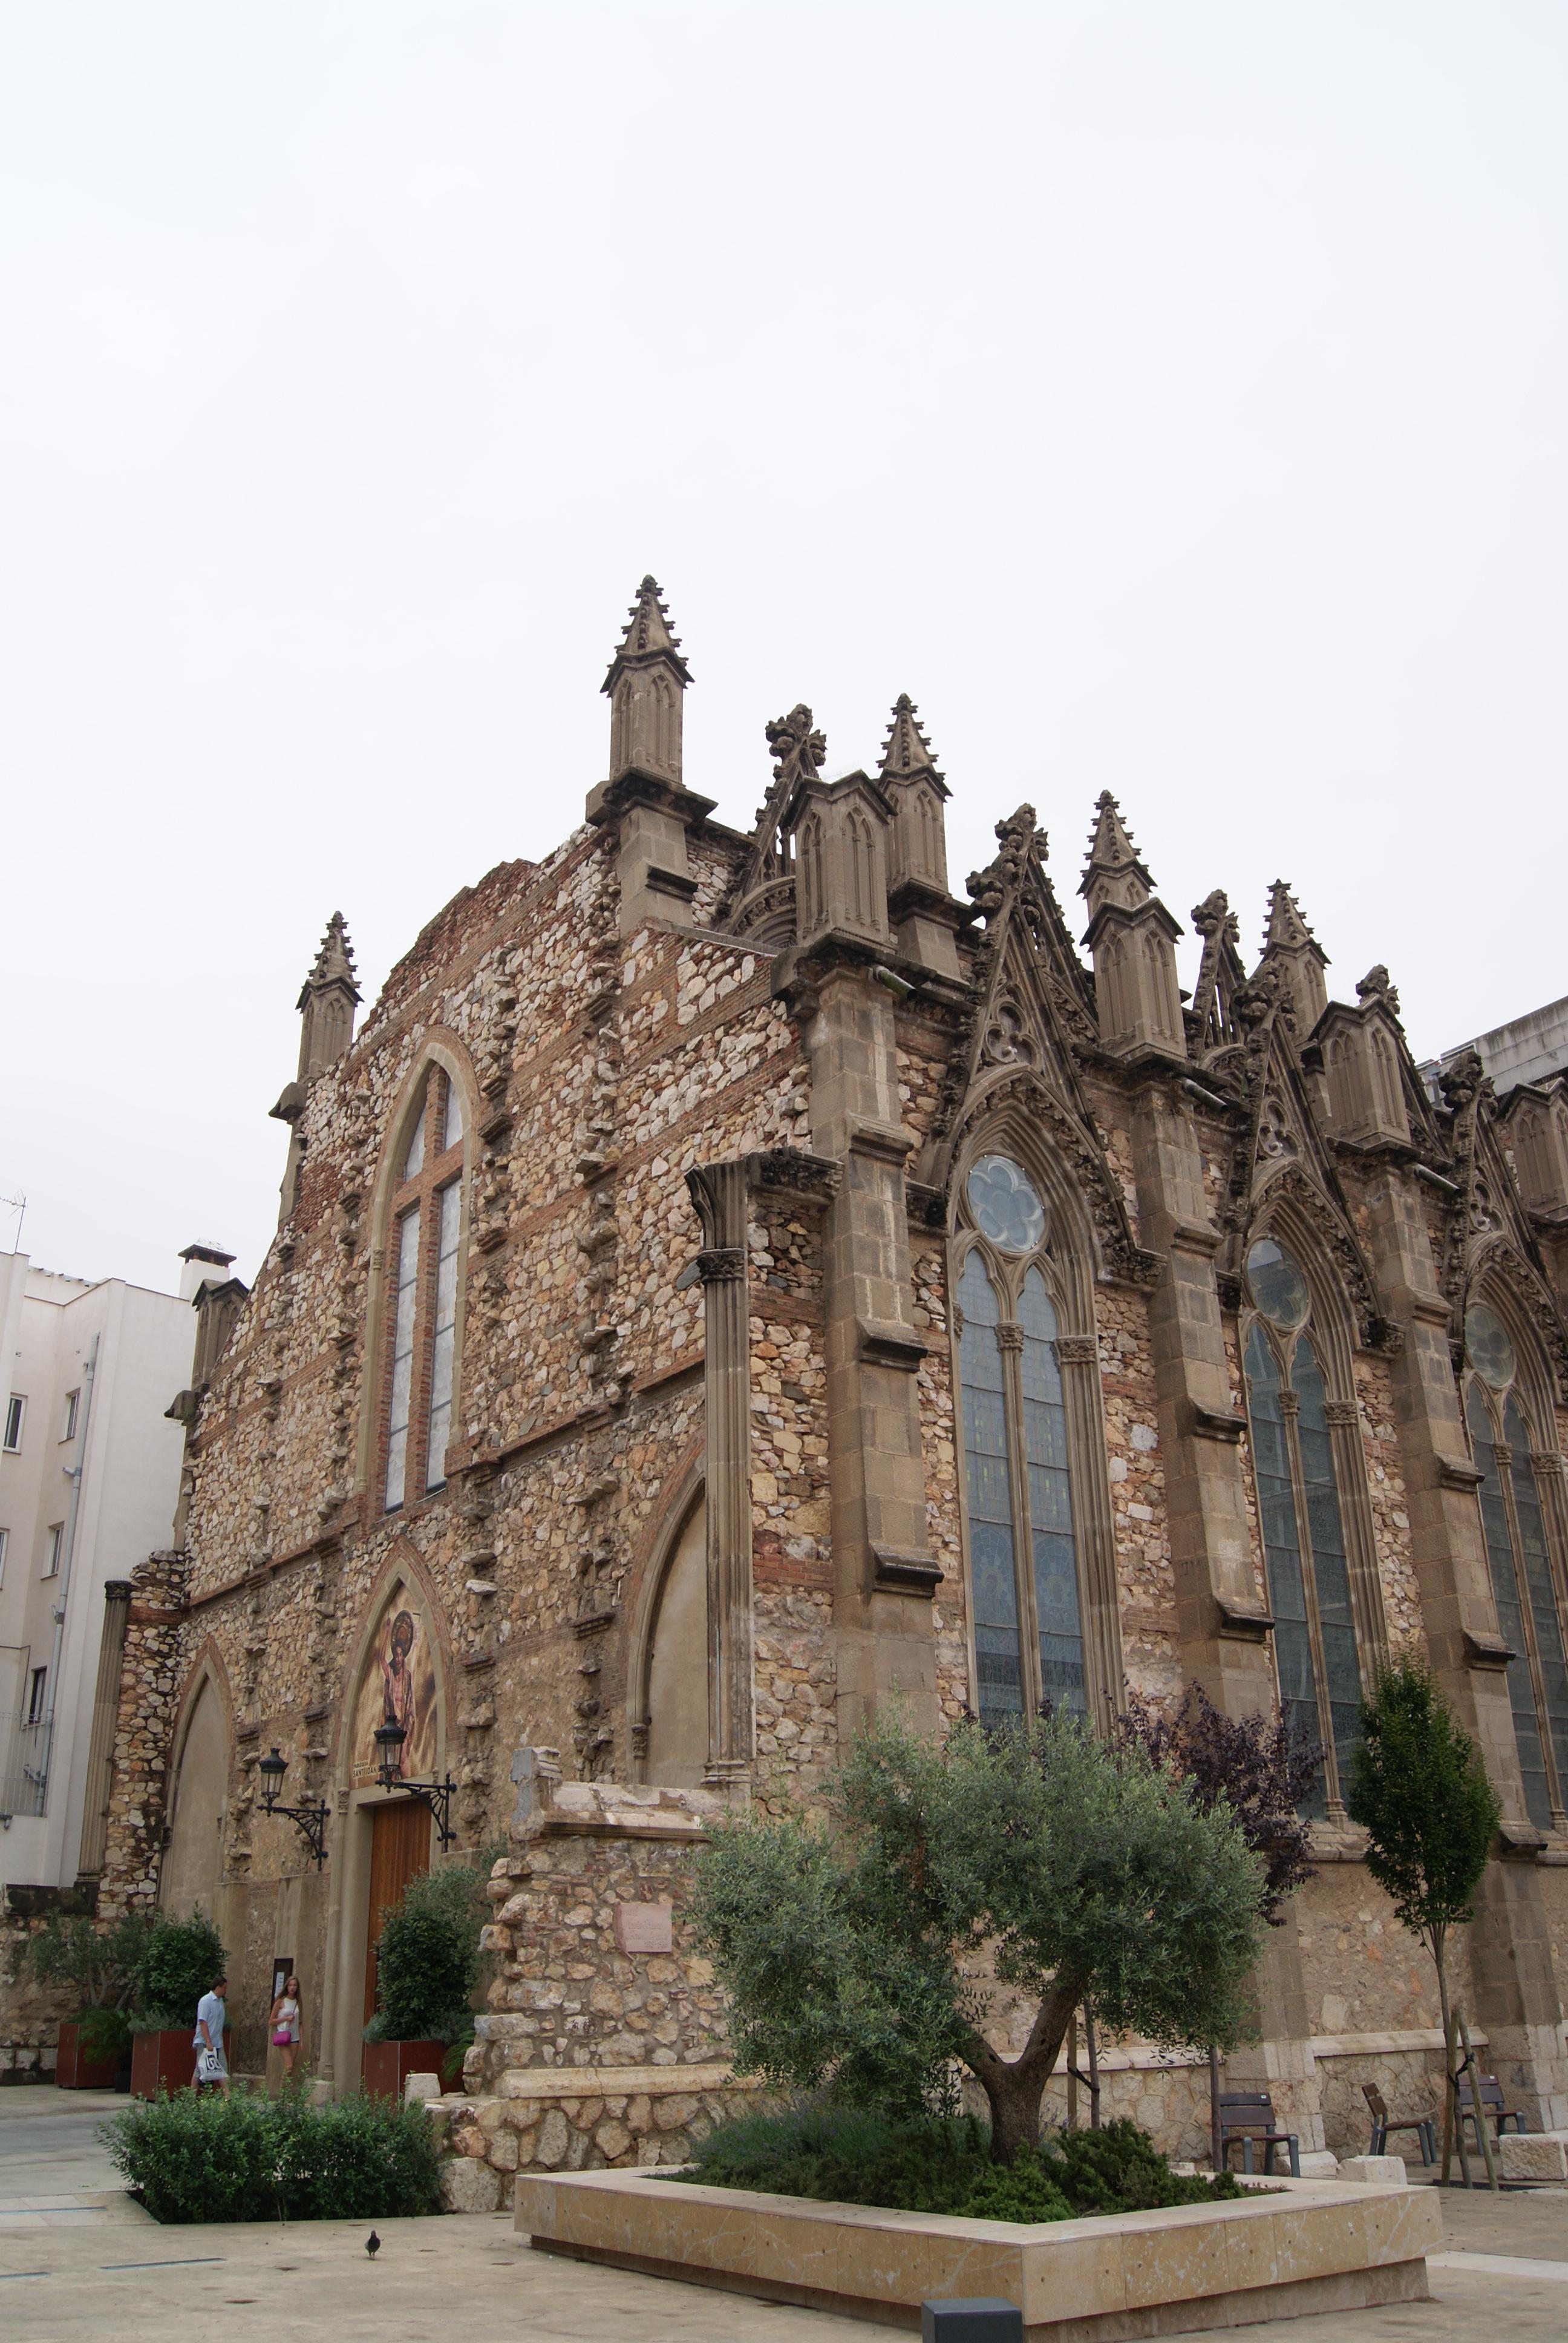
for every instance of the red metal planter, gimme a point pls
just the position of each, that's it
(389, 2064)
(166, 2061)
(75, 2073)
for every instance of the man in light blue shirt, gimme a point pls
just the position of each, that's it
(211, 2065)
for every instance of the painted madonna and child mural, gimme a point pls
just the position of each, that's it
(731, 1279)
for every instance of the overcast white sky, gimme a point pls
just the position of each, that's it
(1169, 397)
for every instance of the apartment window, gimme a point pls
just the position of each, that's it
(52, 1554)
(35, 1695)
(73, 1402)
(4, 1542)
(16, 1409)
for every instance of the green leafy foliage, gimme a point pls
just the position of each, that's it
(430, 1958)
(105, 2036)
(179, 1961)
(102, 1964)
(849, 1947)
(942, 2164)
(202, 2157)
(1419, 1788)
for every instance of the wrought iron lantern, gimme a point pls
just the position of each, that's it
(436, 1796)
(309, 1821)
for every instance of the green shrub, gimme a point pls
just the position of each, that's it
(179, 1961)
(101, 1963)
(202, 2157)
(429, 1962)
(938, 2164)
(104, 2035)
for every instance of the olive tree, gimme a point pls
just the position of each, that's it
(856, 1947)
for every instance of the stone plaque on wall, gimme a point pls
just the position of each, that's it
(643, 1927)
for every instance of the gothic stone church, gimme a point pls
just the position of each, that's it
(728, 1278)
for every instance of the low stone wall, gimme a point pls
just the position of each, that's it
(599, 2119)
(30, 2013)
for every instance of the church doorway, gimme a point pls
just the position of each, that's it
(400, 1852)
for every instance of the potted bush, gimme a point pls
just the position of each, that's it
(179, 1961)
(100, 1967)
(429, 1967)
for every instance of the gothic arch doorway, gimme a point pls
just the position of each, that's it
(192, 1872)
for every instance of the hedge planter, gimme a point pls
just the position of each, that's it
(166, 2061)
(75, 2073)
(1304, 2246)
(389, 2064)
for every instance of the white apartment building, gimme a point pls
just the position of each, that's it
(89, 1480)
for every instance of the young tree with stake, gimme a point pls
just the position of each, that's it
(1418, 1787)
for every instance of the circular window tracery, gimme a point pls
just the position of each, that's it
(1277, 1284)
(1005, 1204)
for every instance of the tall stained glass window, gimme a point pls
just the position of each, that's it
(1514, 1519)
(1024, 1592)
(1302, 1523)
(424, 1273)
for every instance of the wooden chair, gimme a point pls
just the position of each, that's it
(1491, 2104)
(1248, 2116)
(1383, 2122)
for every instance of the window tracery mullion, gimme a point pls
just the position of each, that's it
(1009, 1341)
(1290, 1410)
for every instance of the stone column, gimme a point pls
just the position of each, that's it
(144, 1727)
(718, 1192)
(884, 1575)
(1222, 1622)
(1517, 2000)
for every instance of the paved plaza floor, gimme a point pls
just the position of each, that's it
(79, 2262)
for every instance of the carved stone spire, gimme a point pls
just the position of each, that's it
(1114, 874)
(920, 905)
(327, 999)
(646, 680)
(907, 750)
(1132, 938)
(1289, 945)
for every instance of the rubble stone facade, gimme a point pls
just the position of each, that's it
(732, 1278)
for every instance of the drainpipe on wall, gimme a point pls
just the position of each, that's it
(74, 1473)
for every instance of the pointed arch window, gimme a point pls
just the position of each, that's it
(423, 1260)
(1300, 1512)
(1514, 1519)
(1025, 1595)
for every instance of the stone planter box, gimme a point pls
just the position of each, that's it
(1311, 2247)
(75, 2073)
(166, 2061)
(387, 2064)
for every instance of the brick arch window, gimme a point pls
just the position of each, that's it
(1026, 1428)
(1520, 1497)
(423, 1257)
(1302, 1509)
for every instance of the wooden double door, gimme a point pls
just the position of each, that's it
(400, 1852)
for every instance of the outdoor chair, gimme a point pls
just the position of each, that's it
(1490, 2105)
(1248, 2117)
(1383, 2122)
